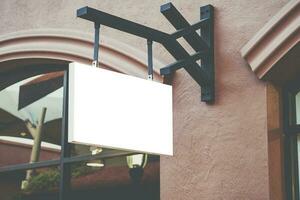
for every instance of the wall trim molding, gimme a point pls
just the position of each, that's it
(274, 40)
(69, 45)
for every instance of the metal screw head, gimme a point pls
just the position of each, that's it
(95, 63)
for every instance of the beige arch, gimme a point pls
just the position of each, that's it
(69, 45)
(274, 40)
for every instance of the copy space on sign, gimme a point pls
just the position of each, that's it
(118, 111)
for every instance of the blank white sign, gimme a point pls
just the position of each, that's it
(114, 110)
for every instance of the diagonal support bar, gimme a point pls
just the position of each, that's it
(194, 70)
(205, 43)
(189, 30)
(179, 22)
(171, 68)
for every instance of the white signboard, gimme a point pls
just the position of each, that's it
(114, 110)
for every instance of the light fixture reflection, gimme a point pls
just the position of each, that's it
(95, 163)
(137, 160)
(136, 164)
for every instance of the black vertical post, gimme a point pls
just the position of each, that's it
(96, 44)
(65, 169)
(136, 175)
(150, 60)
(207, 62)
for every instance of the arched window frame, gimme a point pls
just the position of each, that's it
(58, 48)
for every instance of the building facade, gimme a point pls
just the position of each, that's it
(235, 148)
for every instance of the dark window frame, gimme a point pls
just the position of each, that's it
(291, 131)
(65, 156)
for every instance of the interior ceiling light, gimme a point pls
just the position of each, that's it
(95, 163)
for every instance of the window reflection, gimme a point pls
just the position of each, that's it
(43, 185)
(297, 99)
(21, 123)
(30, 128)
(33, 108)
(113, 180)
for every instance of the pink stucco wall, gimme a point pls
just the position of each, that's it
(221, 150)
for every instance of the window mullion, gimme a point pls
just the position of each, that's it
(65, 169)
(27, 166)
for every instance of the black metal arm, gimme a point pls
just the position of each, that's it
(203, 44)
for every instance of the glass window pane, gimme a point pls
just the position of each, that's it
(298, 151)
(28, 109)
(113, 177)
(297, 101)
(44, 185)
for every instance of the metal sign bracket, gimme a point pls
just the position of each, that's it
(203, 43)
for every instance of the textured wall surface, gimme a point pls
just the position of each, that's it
(221, 150)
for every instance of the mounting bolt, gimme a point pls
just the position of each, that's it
(95, 63)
